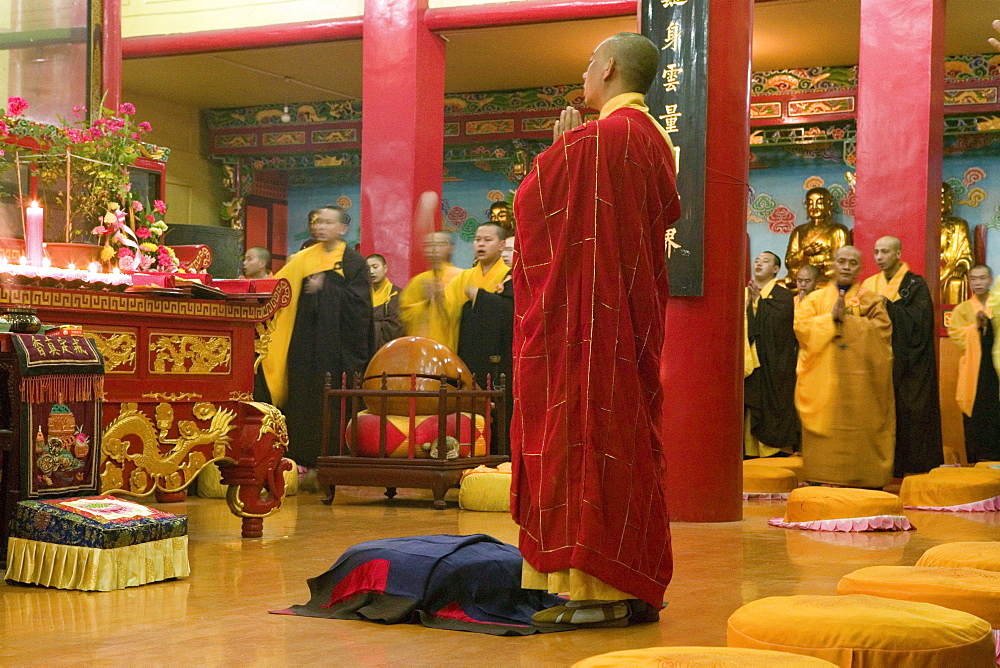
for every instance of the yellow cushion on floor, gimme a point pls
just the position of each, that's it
(714, 657)
(966, 554)
(210, 482)
(808, 504)
(987, 465)
(939, 490)
(965, 471)
(485, 489)
(861, 630)
(768, 480)
(793, 464)
(970, 590)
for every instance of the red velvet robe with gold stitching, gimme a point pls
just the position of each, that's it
(591, 287)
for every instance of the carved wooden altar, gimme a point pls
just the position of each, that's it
(178, 391)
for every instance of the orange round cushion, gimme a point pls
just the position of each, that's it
(714, 657)
(808, 504)
(968, 554)
(970, 590)
(861, 630)
(768, 480)
(947, 489)
(793, 464)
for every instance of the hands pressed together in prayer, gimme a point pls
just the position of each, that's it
(313, 283)
(569, 118)
(982, 321)
(839, 309)
(753, 292)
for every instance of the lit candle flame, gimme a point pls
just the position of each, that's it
(23, 260)
(71, 266)
(94, 268)
(46, 262)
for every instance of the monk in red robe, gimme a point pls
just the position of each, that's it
(591, 287)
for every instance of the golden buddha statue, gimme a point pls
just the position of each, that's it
(814, 242)
(501, 215)
(956, 251)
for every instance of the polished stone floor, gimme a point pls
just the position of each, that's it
(218, 616)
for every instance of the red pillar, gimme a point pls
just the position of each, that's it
(111, 39)
(702, 365)
(900, 131)
(402, 142)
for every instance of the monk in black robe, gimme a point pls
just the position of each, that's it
(486, 320)
(331, 332)
(914, 363)
(769, 392)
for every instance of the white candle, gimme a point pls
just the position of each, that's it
(34, 231)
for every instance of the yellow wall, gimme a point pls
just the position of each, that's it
(194, 191)
(166, 17)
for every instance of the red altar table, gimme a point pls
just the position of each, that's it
(178, 388)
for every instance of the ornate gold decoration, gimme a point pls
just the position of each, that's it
(187, 353)
(139, 304)
(169, 470)
(264, 331)
(272, 422)
(175, 396)
(118, 349)
(236, 395)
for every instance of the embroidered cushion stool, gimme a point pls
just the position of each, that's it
(861, 630)
(767, 482)
(982, 555)
(793, 464)
(842, 509)
(98, 543)
(694, 657)
(485, 489)
(957, 491)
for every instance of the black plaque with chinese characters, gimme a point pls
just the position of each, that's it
(679, 100)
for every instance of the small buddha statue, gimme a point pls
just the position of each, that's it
(956, 251)
(500, 214)
(814, 242)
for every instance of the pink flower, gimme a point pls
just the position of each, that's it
(136, 136)
(145, 261)
(75, 136)
(79, 109)
(16, 106)
(126, 109)
(136, 205)
(124, 253)
(150, 218)
(142, 233)
(120, 215)
(126, 263)
(99, 230)
(4, 130)
(160, 206)
(145, 127)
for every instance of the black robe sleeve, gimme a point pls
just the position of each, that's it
(769, 392)
(387, 323)
(918, 410)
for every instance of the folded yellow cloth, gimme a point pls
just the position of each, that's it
(947, 489)
(970, 590)
(793, 464)
(768, 480)
(695, 657)
(808, 504)
(967, 554)
(861, 630)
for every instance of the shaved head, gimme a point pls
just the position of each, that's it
(637, 59)
(892, 242)
(851, 251)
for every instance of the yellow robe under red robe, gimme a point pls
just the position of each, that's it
(426, 316)
(844, 391)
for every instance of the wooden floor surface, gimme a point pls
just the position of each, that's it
(218, 616)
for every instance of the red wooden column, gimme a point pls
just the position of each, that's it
(702, 363)
(900, 131)
(402, 141)
(111, 42)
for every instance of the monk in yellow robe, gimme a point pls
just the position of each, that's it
(978, 389)
(844, 390)
(421, 303)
